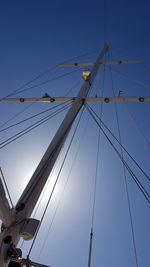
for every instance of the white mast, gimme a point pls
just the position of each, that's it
(24, 208)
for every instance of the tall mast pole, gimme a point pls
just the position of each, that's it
(31, 194)
(41, 174)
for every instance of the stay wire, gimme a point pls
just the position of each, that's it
(96, 178)
(146, 194)
(124, 173)
(97, 164)
(140, 186)
(130, 78)
(48, 81)
(137, 126)
(105, 20)
(146, 67)
(131, 157)
(72, 88)
(129, 169)
(67, 179)
(16, 115)
(31, 117)
(14, 92)
(125, 53)
(95, 185)
(30, 128)
(26, 108)
(66, 154)
(94, 201)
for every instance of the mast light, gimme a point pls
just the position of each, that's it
(86, 74)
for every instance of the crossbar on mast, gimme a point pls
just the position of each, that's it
(105, 99)
(111, 62)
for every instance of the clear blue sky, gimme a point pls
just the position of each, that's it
(36, 35)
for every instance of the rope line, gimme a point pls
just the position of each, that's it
(67, 179)
(16, 91)
(16, 115)
(96, 178)
(130, 78)
(48, 81)
(31, 127)
(124, 174)
(105, 21)
(137, 126)
(140, 186)
(54, 185)
(94, 200)
(131, 157)
(31, 117)
(26, 108)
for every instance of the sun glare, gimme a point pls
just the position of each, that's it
(48, 188)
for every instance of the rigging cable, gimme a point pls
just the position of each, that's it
(51, 194)
(95, 181)
(16, 115)
(148, 178)
(39, 202)
(73, 87)
(105, 20)
(31, 117)
(97, 157)
(49, 80)
(31, 127)
(146, 67)
(26, 108)
(130, 78)
(137, 126)
(67, 179)
(14, 92)
(138, 183)
(125, 176)
(94, 199)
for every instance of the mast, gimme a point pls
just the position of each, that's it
(24, 208)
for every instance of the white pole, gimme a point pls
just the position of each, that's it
(33, 190)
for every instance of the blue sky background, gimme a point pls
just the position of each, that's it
(35, 36)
